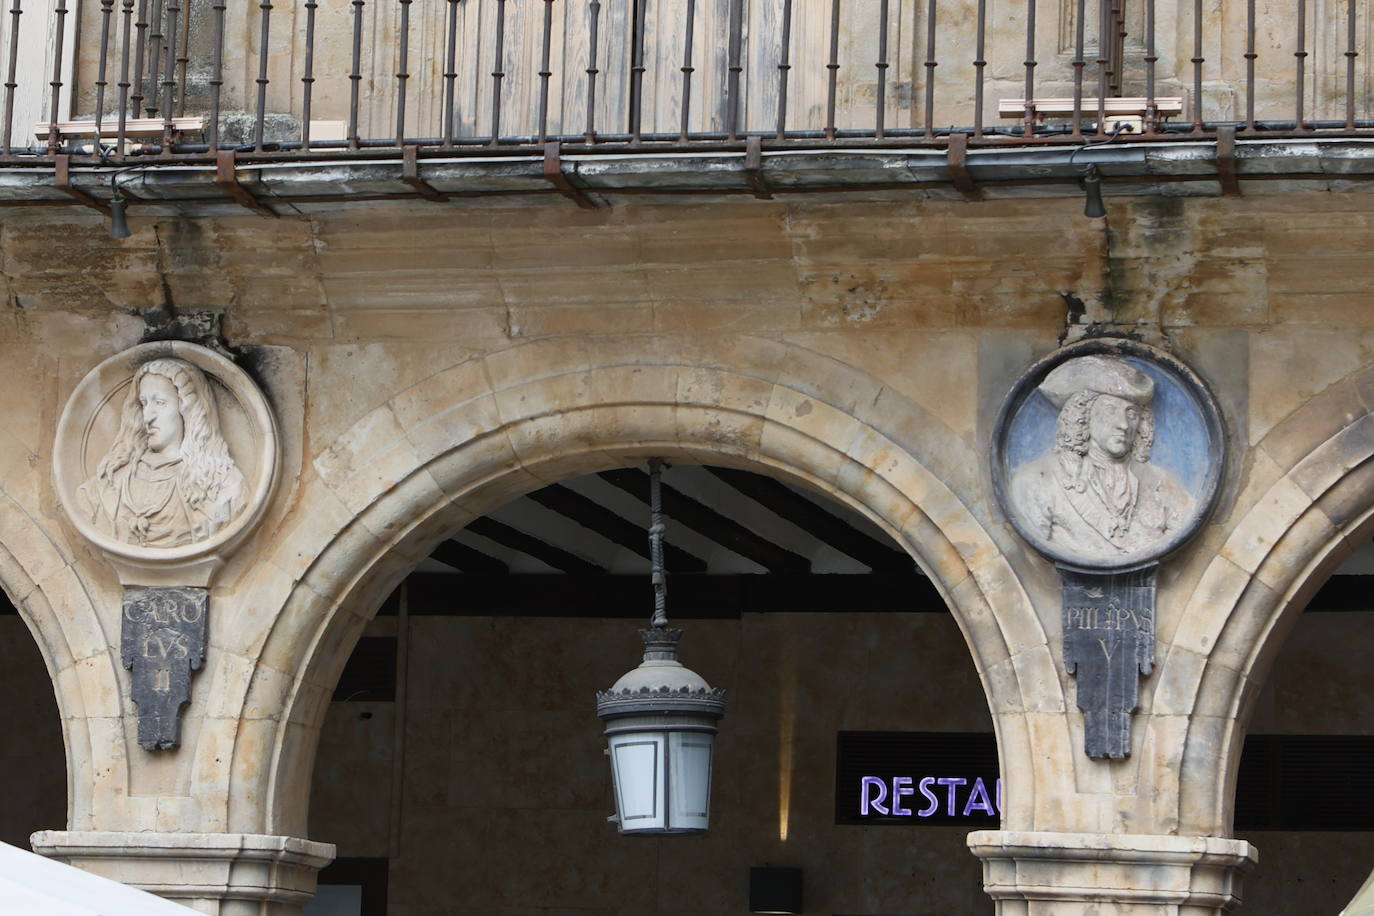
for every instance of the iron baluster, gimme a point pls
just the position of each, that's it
(784, 66)
(498, 71)
(1250, 56)
(308, 77)
(262, 80)
(10, 85)
(1197, 61)
(594, 11)
(636, 69)
(979, 65)
(155, 37)
(54, 140)
(1080, 64)
(355, 76)
(1030, 69)
(127, 16)
(880, 118)
(732, 99)
(544, 72)
(169, 78)
(451, 73)
(834, 67)
(1301, 55)
(402, 72)
(141, 31)
(687, 69)
(184, 59)
(106, 10)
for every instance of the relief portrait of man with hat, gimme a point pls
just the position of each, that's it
(1095, 495)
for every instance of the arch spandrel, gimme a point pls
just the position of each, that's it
(594, 411)
(1314, 504)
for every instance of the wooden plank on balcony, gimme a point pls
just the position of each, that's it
(134, 127)
(1063, 108)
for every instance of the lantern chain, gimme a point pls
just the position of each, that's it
(660, 578)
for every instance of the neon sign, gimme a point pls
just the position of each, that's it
(917, 779)
(888, 796)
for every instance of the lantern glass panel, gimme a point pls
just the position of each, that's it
(637, 768)
(689, 781)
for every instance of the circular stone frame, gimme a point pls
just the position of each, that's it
(1187, 382)
(100, 391)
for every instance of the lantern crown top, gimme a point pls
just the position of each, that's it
(661, 684)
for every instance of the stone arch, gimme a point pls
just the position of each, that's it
(485, 430)
(1310, 500)
(43, 582)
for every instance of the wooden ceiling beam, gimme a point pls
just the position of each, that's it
(681, 508)
(816, 521)
(598, 519)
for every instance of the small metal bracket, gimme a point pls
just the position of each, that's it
(226, 176)
(553, 171)
(958, 167)
(1226, 161)
(753, 168)
(62, 178)
(410, 174)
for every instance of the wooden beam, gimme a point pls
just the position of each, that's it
(542, 551)
(690, 597)
(468, 559)
(706, 521)
(597, 518)
(777, 498)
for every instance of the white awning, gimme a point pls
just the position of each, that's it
(38, 886)
(1363, 904)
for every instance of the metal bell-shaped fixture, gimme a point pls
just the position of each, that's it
(119, 224)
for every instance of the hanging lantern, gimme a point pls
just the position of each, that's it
(660, 722)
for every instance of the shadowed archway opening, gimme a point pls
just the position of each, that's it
(463, 728)
(1305, 790)
(33, 764)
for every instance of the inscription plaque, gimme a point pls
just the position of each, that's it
(1109, 644)
(162, 640)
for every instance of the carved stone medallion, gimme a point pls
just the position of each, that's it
(165, 459)
(166, 455)
(1107, 457)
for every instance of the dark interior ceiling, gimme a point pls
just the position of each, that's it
(735, 542)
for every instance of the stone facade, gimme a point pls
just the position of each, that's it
(425, 363)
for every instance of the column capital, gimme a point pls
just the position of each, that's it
(259, 873)
(1032, 872)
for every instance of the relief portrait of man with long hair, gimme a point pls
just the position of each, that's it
(168, 478)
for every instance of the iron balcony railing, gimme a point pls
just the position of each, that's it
(115, 79)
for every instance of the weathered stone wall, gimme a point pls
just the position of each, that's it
(428, 362)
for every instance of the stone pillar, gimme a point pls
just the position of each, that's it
(1095, 874)
(223, 874)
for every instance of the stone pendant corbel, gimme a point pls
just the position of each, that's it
(165, 460)
(1107, 457)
